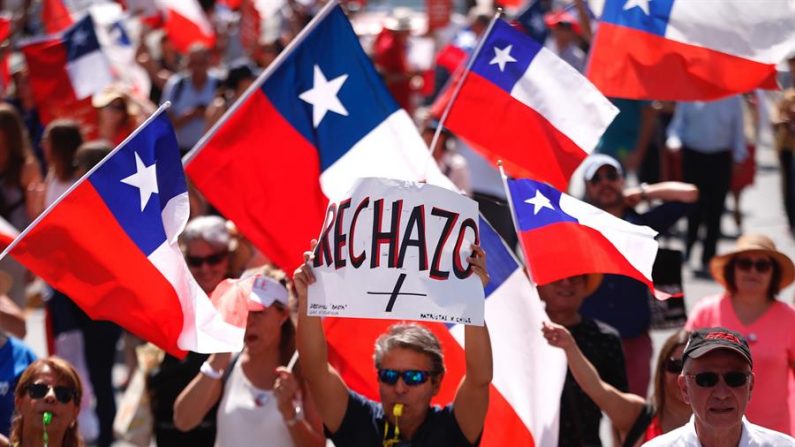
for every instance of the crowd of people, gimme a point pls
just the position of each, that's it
(686, 157)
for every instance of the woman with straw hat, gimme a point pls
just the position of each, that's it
(753, 274)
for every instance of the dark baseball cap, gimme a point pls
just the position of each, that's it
(707, 340)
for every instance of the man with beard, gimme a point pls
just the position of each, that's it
(620, 301)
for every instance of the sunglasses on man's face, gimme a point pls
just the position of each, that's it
(734, 379)
(674, 366)
(610, 176)
(63, 394)
(197, 261)
(761, 265)
(411, 377)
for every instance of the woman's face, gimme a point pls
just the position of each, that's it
(114, 113)
(208, 264)
(672, 392)
(46, 393)
(263, 328)
(753, 273)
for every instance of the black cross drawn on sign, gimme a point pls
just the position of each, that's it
(395, 292)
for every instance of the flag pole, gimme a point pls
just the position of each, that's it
(69, 190)
(504, 178)
(460, 83)
(302, 35)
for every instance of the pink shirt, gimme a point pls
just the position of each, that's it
(772, 341)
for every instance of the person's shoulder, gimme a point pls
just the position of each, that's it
(784, 309)
(20, 349)
(707, 304)
(763, 437)
(359, 400)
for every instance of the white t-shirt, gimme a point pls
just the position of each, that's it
(248, 413)
(753, 436)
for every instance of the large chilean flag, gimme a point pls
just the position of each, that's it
(316, 120)
(563, 237)
(525, 106)
(524, 402)
(110, 243)
(689, 50)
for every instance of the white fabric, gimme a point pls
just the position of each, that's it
(636, 243)
(753, 436)
(528, 372)
(760, 30)
(394, 149)
(563, 96)
(70, 346)
(241, 421)
(89, 74)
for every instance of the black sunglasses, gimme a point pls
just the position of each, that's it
(197, 261)
(734, 379)
(411, 377)
(674, 366)
(63, 394)
(761, 265)
(611, 176)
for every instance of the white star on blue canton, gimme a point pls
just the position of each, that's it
(502, 56)
(145, 179)
(539, 201)
(323, 96)
(642, 4)
(79, 37)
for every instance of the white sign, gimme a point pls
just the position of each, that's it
(398, 249)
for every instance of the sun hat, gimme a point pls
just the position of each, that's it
(754, 243)
(707, 340)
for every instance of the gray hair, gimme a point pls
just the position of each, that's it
(210, 229)
(414, 337)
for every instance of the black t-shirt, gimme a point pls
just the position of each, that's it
(364, 424)
(579, 415)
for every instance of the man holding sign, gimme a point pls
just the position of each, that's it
(408, 357)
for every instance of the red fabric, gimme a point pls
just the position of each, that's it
(80, 232)
(52, 88)
(55, 15)
(273, 196)
(502, 128)
(390, 57)
(183, 33)
(653, 430)
(628, 63)
(744, 176)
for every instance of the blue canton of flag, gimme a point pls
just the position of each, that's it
(645, 15)
(80, 39)
(505, 56)
(536, 204)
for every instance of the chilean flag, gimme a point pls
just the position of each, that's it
(687, 50)
(522, 104)
(110, 243)
(316, 120)
(524, 402)
(65, 71)
(186, 23)
(55, 16)
(562, 236)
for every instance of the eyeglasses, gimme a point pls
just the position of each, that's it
(761, 265)
(734, 379)
(610, 176)
(411, 377)
(197, 261)
(63, 394)
(674, 366)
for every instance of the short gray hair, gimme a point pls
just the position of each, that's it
(210, 229)
(414, 337)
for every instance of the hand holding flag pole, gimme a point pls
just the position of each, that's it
(462, 78)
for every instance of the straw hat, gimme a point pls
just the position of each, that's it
(399, 20)
(754, 243)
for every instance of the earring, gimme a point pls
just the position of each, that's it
(73, 424)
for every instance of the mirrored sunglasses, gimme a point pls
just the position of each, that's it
(734, 379)
(63, 394)
(411, 377)
(197, 261)
(761, 265)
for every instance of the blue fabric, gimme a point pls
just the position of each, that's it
(711, 127)
(522, 49)
(655, 22)
(14, 358)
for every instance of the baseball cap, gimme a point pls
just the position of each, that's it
(596, 161)
(235, 298)
(707, 340)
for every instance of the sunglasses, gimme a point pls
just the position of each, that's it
(674, 366)
(411, 377)
(197, 261)
(734, 379)
(761, 265)
(63, 394)
(610, 176)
